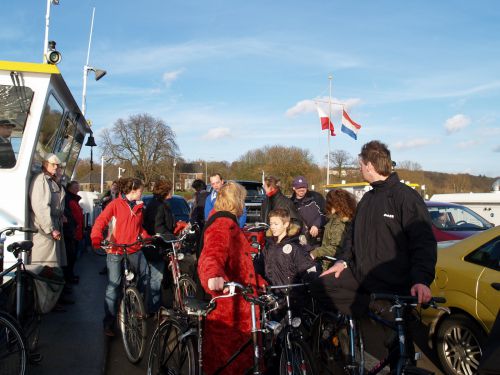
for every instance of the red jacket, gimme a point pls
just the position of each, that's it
(226, 253)
(77, 213)
(124, 229)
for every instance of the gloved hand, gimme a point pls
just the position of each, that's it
(180, 226)
(96, 242)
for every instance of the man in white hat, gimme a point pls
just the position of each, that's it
(46, 198)
(7, 156)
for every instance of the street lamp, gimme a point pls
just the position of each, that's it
(173, 178)
(120, 170)
(99, 73)
(102, 172)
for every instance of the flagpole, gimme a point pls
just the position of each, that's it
(330, 77)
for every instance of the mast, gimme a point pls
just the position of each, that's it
(330, 78)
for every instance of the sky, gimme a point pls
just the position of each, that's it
(233, 76)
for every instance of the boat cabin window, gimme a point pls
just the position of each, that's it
(52, 117)
(15, 103)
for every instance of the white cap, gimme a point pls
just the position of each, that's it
(52, 158)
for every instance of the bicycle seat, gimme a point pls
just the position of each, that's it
(17, 247)
(195, 306)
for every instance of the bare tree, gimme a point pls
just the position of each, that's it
(143, 142)
(409, 165)
(340, 160)
(283, 162)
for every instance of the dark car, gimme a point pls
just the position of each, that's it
(454, 222)
(254, 199)
(178, 205)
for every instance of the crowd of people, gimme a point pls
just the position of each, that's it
(383, 244)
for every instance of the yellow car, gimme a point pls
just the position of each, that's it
(467, 275)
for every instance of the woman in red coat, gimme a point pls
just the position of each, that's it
(226, 257)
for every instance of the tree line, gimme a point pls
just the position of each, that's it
(146, 148)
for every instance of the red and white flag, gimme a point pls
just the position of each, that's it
(325, 121)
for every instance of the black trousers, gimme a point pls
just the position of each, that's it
(343, 294)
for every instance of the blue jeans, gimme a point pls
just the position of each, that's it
(156, 270)
(114, 262)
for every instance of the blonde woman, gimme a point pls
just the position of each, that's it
(225, 256)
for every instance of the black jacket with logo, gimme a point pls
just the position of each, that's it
(390, 245)
(286, 262)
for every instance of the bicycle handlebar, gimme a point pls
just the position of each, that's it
(405, 300)
(125, 245)
(327, 258)
(287, 286)
(175, 240)
(10, 230)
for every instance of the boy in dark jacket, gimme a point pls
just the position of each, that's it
(284, 260)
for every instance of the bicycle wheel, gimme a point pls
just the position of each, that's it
(132, 323)
(356, 362)
(187, 288)
(296, 359)
(170, 352)
(13, 349)
(30, 321)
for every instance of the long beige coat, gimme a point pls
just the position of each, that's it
(46, 202)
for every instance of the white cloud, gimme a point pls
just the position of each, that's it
(456, 123)
(217, 133)
(309, 105)
(414, 143)
(467, 144)
(496, 149)
(169, 77)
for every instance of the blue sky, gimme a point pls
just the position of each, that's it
(232, 76)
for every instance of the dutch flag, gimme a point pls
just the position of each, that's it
(348, 126)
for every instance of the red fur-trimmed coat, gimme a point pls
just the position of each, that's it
(226, 253)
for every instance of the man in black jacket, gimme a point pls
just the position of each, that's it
(311, 208)
(276, 199)
(390, 246)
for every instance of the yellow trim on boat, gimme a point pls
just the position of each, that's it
(29, 67)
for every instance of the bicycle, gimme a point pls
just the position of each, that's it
(19, 335)
(132, 312)
(296, 357)
(177, 344)
(183, 285)
(348, 339)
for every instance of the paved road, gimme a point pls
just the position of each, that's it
(72, 342)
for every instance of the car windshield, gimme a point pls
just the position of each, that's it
(457, 218)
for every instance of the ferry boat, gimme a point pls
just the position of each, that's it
(44, 118)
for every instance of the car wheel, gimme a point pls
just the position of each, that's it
(460, 345)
